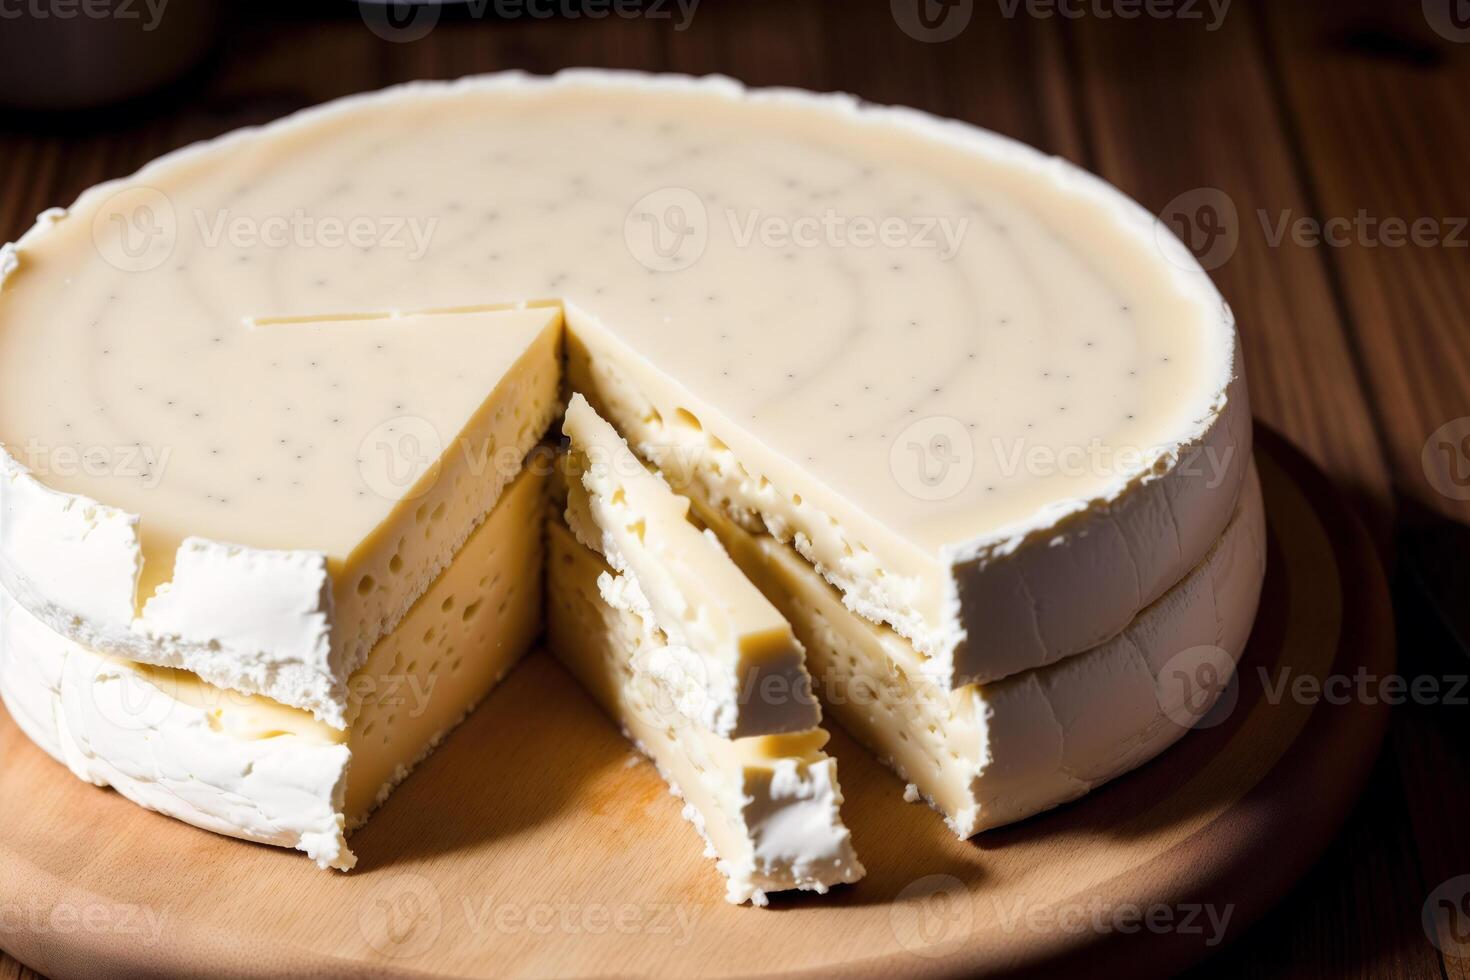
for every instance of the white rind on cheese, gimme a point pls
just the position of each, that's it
(767, 806)
(111, 726)
(241, 765)
(989, 755)
(949, 592)
(731, 657)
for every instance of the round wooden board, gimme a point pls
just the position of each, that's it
(535, 844)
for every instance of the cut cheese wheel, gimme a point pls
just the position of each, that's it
(983, 393)
(768, 806)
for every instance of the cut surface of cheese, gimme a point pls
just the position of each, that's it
(345, 462)
(982, 392)
(767, 806)
(246, 766)
(730, 656)
(988, 755)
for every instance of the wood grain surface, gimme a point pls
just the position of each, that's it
(1357, 351)
(459, 876)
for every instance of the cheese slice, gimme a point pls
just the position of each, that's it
(246, 766)
(767, 806)
(730, 656)
(988, 755)
(983, 393)
(346, 461)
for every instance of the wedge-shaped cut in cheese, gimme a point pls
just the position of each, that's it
(1028, 591)
(732, 659)
(768, 806)
(985, 394)
(249, 767)
(988, 755)
(344, 461)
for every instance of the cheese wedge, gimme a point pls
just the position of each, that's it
(252, 768)
(988, 755)
(984, 394)
(767, 806)
(730, 656)
(345, 462)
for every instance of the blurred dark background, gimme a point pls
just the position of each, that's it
(1358, 352)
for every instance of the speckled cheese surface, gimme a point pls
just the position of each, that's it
(883, 335)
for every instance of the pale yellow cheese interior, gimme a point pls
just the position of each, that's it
(457, 641)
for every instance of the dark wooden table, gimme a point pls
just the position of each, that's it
(1343, 116)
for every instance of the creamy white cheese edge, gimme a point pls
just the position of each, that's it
(94, 716)
(86, 587)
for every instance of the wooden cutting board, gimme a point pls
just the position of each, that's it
(534, 843)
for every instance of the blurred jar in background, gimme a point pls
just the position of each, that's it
(81, 54)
